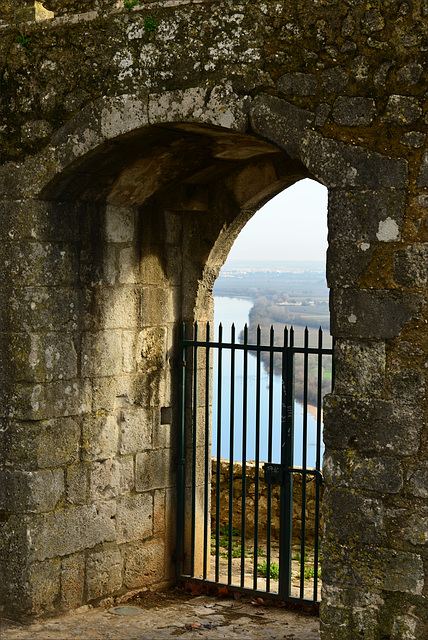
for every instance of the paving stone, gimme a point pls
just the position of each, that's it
(218, 618)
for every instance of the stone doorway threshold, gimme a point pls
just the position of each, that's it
(172, 614)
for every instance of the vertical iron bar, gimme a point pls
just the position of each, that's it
(194, 435)
(257, 461)
(304, 462)
(181, 453)
(231, 452)
(318, 464)
(270, 446)
(207, 446)
(287, 457)
(244, 454)
(217, 495)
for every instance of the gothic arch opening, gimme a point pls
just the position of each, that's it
(262, 399)
(147, 220)
(124, 242)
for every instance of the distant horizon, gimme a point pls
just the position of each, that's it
(248, 261)
(292, 226)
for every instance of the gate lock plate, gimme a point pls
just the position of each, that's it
(274, 473)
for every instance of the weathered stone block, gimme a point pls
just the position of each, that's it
(416, 531)
(417, 478)
(353, 578)
(44, 580)
(361, 215)
(15, 596)
(407, 627)
(36, 130)
(298, 84)
(52, 399)
(409, 74)
(223, 107)
(353, 312)
(381, 74)
(33, 491)
(407, 382)
(371, 425)
(159, 512)
(77, 483)
(100, 436)
(354, 112)
(37, 445)
(151, 350)
(337, 164)
(154, 470)
(359, 368)
(129, 266)
(124, 113)
(120, 223)
(144, 565)
(72, 582)
(153, 264)
(40, 263)
(423, 171)
(102, 353)
(129, 351)
(68, 531)
(118, 307)
(346, 262)
(334, 79)
(110, 267)
(372, 20)
(110, 393)
(134, 517)
(413, 139)
(43, 357)
(321, 114)
(359, 68)
(270, 115)
(135, 430)
(29, 588)
(402, 110)
(111, 478)
(404, 572)
(39, 220)
(164, 436)
(411, 265)
(156, 307)
(43, 308)
(103, 573)
(384, 475)
(357, 519)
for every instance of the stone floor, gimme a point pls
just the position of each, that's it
(172, 614)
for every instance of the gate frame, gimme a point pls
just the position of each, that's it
(283, 472)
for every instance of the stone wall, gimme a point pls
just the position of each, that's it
(262, 497)
(124, 186)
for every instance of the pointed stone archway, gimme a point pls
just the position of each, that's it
(113, 230)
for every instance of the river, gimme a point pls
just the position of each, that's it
(236, 310)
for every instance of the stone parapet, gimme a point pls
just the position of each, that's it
(262, 498)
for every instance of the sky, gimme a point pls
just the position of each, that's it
(291, 226)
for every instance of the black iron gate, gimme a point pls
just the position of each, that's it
(249, 461)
